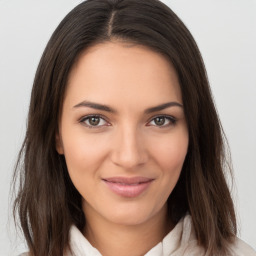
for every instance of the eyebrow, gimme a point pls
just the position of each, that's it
(94, 105)
(106, 108)
(163, 106)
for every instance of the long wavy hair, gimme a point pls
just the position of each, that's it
(47, 203)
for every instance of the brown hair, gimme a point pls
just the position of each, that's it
(47, 202)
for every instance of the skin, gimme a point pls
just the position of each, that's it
(127, 141)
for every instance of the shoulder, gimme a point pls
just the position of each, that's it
(188, 238)
(240, 248)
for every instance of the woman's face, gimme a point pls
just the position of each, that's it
(123, 132)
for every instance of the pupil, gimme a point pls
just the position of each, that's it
(159, 120)
(94, 121)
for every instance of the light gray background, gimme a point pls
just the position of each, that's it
(226, 34)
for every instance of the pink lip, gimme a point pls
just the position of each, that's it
(128, 187)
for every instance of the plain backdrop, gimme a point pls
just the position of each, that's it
(226, 34)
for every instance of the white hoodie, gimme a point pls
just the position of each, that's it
(181, 241)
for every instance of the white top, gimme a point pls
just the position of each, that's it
(181, 241)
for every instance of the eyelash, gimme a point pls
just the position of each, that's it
(171, 121)
(86, 118)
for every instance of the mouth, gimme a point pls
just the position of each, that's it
(128, 187)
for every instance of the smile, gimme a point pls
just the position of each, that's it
(128, 187)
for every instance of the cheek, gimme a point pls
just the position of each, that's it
(84, 157)
(170, 153)
(83, 153)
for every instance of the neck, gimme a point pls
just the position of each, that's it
(115, 239)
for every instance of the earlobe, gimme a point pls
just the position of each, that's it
(59, 145)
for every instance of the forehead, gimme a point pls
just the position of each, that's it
(115, 71)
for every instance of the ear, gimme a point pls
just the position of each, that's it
(59, 144)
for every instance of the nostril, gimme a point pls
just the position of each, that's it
(129, 159)
(128, 149)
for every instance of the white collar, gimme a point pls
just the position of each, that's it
(174, 243)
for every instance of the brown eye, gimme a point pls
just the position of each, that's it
(159, 121)
(162, 121)
(94, 121)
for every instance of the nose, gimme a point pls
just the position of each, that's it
(129, 150)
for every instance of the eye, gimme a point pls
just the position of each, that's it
(94, 121)
(162, 121)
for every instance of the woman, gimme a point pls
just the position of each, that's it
(124, 151)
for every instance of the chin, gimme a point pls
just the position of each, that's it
(129, 220)
(132, 215)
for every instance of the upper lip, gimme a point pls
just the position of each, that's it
(128, 180)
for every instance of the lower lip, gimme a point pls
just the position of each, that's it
(128, 190)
